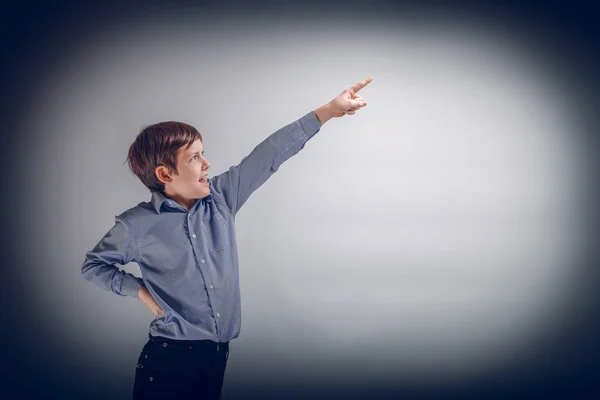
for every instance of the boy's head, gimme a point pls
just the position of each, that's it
(168, 157)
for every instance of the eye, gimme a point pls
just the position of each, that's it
(195, 156)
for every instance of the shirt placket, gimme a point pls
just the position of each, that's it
(201, 263)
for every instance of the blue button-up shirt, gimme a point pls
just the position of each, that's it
(189, 259)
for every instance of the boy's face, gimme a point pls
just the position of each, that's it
(190, 183)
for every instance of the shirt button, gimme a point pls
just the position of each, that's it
(218, 314)
(193, 235)
(212, 287)
(202, 261)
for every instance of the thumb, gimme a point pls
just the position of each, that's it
(358, 103)
(156, 311)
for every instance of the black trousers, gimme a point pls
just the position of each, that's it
(180, 369)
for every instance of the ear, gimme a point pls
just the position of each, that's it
(162, 174)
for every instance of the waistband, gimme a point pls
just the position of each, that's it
(184, 342)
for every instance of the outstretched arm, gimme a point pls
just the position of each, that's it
(237, 184)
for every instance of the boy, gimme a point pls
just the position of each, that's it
(184, 242)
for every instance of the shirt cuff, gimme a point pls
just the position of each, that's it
(310, 123)
(131, 286)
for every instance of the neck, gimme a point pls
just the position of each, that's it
(187, 204)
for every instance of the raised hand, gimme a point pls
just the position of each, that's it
(349, 101)
(345, 104)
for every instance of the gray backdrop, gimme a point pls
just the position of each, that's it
(436, 240)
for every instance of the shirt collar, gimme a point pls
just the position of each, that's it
(158, 199)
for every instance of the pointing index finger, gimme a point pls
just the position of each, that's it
(356, 87)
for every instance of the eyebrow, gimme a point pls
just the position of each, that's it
(191, 154)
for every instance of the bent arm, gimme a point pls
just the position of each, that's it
(118, 246)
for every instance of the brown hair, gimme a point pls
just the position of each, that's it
(157, 145)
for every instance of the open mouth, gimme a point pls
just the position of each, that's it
(203, 180)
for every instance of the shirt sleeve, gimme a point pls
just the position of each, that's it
(118, 246)
(237, 184)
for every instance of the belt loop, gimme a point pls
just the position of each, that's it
(217, 347)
